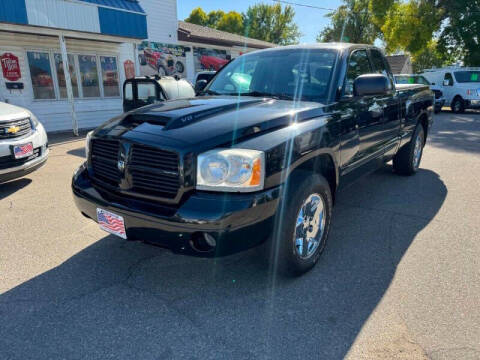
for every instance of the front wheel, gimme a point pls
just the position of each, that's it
(458, 106)
(303, 224)
(407, 160)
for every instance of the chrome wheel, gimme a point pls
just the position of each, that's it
(310, 226)
(417, 151)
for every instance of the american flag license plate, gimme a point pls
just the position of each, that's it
(112, 223)
(21, 151)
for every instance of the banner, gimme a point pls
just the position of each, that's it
(162, 59)
(10, 67)
(210, 59)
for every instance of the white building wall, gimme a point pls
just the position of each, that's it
(162, 20)
(63, 15)
(55, 114)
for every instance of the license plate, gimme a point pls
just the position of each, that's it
(22, 151)
(112, 223)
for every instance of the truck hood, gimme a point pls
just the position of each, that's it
(12, 112)
(209, 120)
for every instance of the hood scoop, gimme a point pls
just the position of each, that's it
(135, 120)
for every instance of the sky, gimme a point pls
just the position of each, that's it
(310, 21)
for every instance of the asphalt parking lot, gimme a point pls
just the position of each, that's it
(400, 278)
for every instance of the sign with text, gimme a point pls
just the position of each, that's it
(129, 69)
(10, 67)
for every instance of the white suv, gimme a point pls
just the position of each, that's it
(23, 142)
(460, 86)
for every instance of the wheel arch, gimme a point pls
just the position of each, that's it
(323, 164)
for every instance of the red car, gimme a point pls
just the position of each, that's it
(211, 61)
(161, 60)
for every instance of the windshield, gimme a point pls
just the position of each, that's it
(416, 79)
(286, 74)
(467, 76)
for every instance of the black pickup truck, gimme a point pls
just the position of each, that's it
(258, 155)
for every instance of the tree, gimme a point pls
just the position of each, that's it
(430, 56)
(271, 23)
(354, 20)
(231, 22)
(198, 16)
(214, 17)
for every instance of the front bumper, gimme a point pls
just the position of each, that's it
(39, 140)
(472, 104)
(236, 221)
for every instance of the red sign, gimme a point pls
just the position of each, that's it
(129, 69)
(10, 67)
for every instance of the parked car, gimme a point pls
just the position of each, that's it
(227, 170)
(460, 86)
(145, 90)
(420, 79)
(161, 60)
(23, 142)
(202, 78)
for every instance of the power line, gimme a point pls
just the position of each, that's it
(304, 5)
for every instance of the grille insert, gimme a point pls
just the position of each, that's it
(104, 160)
(15, 128)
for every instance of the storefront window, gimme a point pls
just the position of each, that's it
(41, 74)
(61, 76)
(89, 75)
(109, 76)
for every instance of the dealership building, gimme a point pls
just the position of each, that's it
(66, 60)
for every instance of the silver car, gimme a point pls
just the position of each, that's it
(23, 142)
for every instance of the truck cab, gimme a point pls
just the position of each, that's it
(459, 85)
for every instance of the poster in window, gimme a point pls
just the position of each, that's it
(41, 75)
(62, 84)
(210, 59)
(162, 59)
(89, 75)
(109, 76)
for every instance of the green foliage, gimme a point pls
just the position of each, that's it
(430, 56)
(198, 16)
(231, 22)
(460, 35)
(214, 17)
(272, 23)
(354, 19)
(262, 21)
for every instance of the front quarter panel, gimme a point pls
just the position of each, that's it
(289, 148)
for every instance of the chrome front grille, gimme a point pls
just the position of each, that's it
(15, 128)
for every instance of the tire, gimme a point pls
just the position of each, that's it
(142, 59)
(179, 67)
(458, 105)
(288, 255)
(407, 160)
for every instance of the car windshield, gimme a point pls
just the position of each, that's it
(414, 79)
(286, 74)
(467, 76)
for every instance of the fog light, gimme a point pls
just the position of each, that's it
(210, 239)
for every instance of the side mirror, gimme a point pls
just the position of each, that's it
(446, 82)
(200, 85)
(371, 85)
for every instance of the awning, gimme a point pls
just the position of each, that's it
(129, 5)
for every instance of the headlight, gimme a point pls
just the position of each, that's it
(34, 121)
(235, 170)
(87, 143)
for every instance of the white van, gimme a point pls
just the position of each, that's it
(460, 86)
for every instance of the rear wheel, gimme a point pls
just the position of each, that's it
(142, 59)
(407, 160)
(303, 226)
(458, 105)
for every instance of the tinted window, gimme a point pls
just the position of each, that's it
(61, 75)
(449, 78)
(109, 75)
(41, 75)
(358, 64)
(467, 76)
(300, 74)
(147, 92)
(380, 66)
(89, 75)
